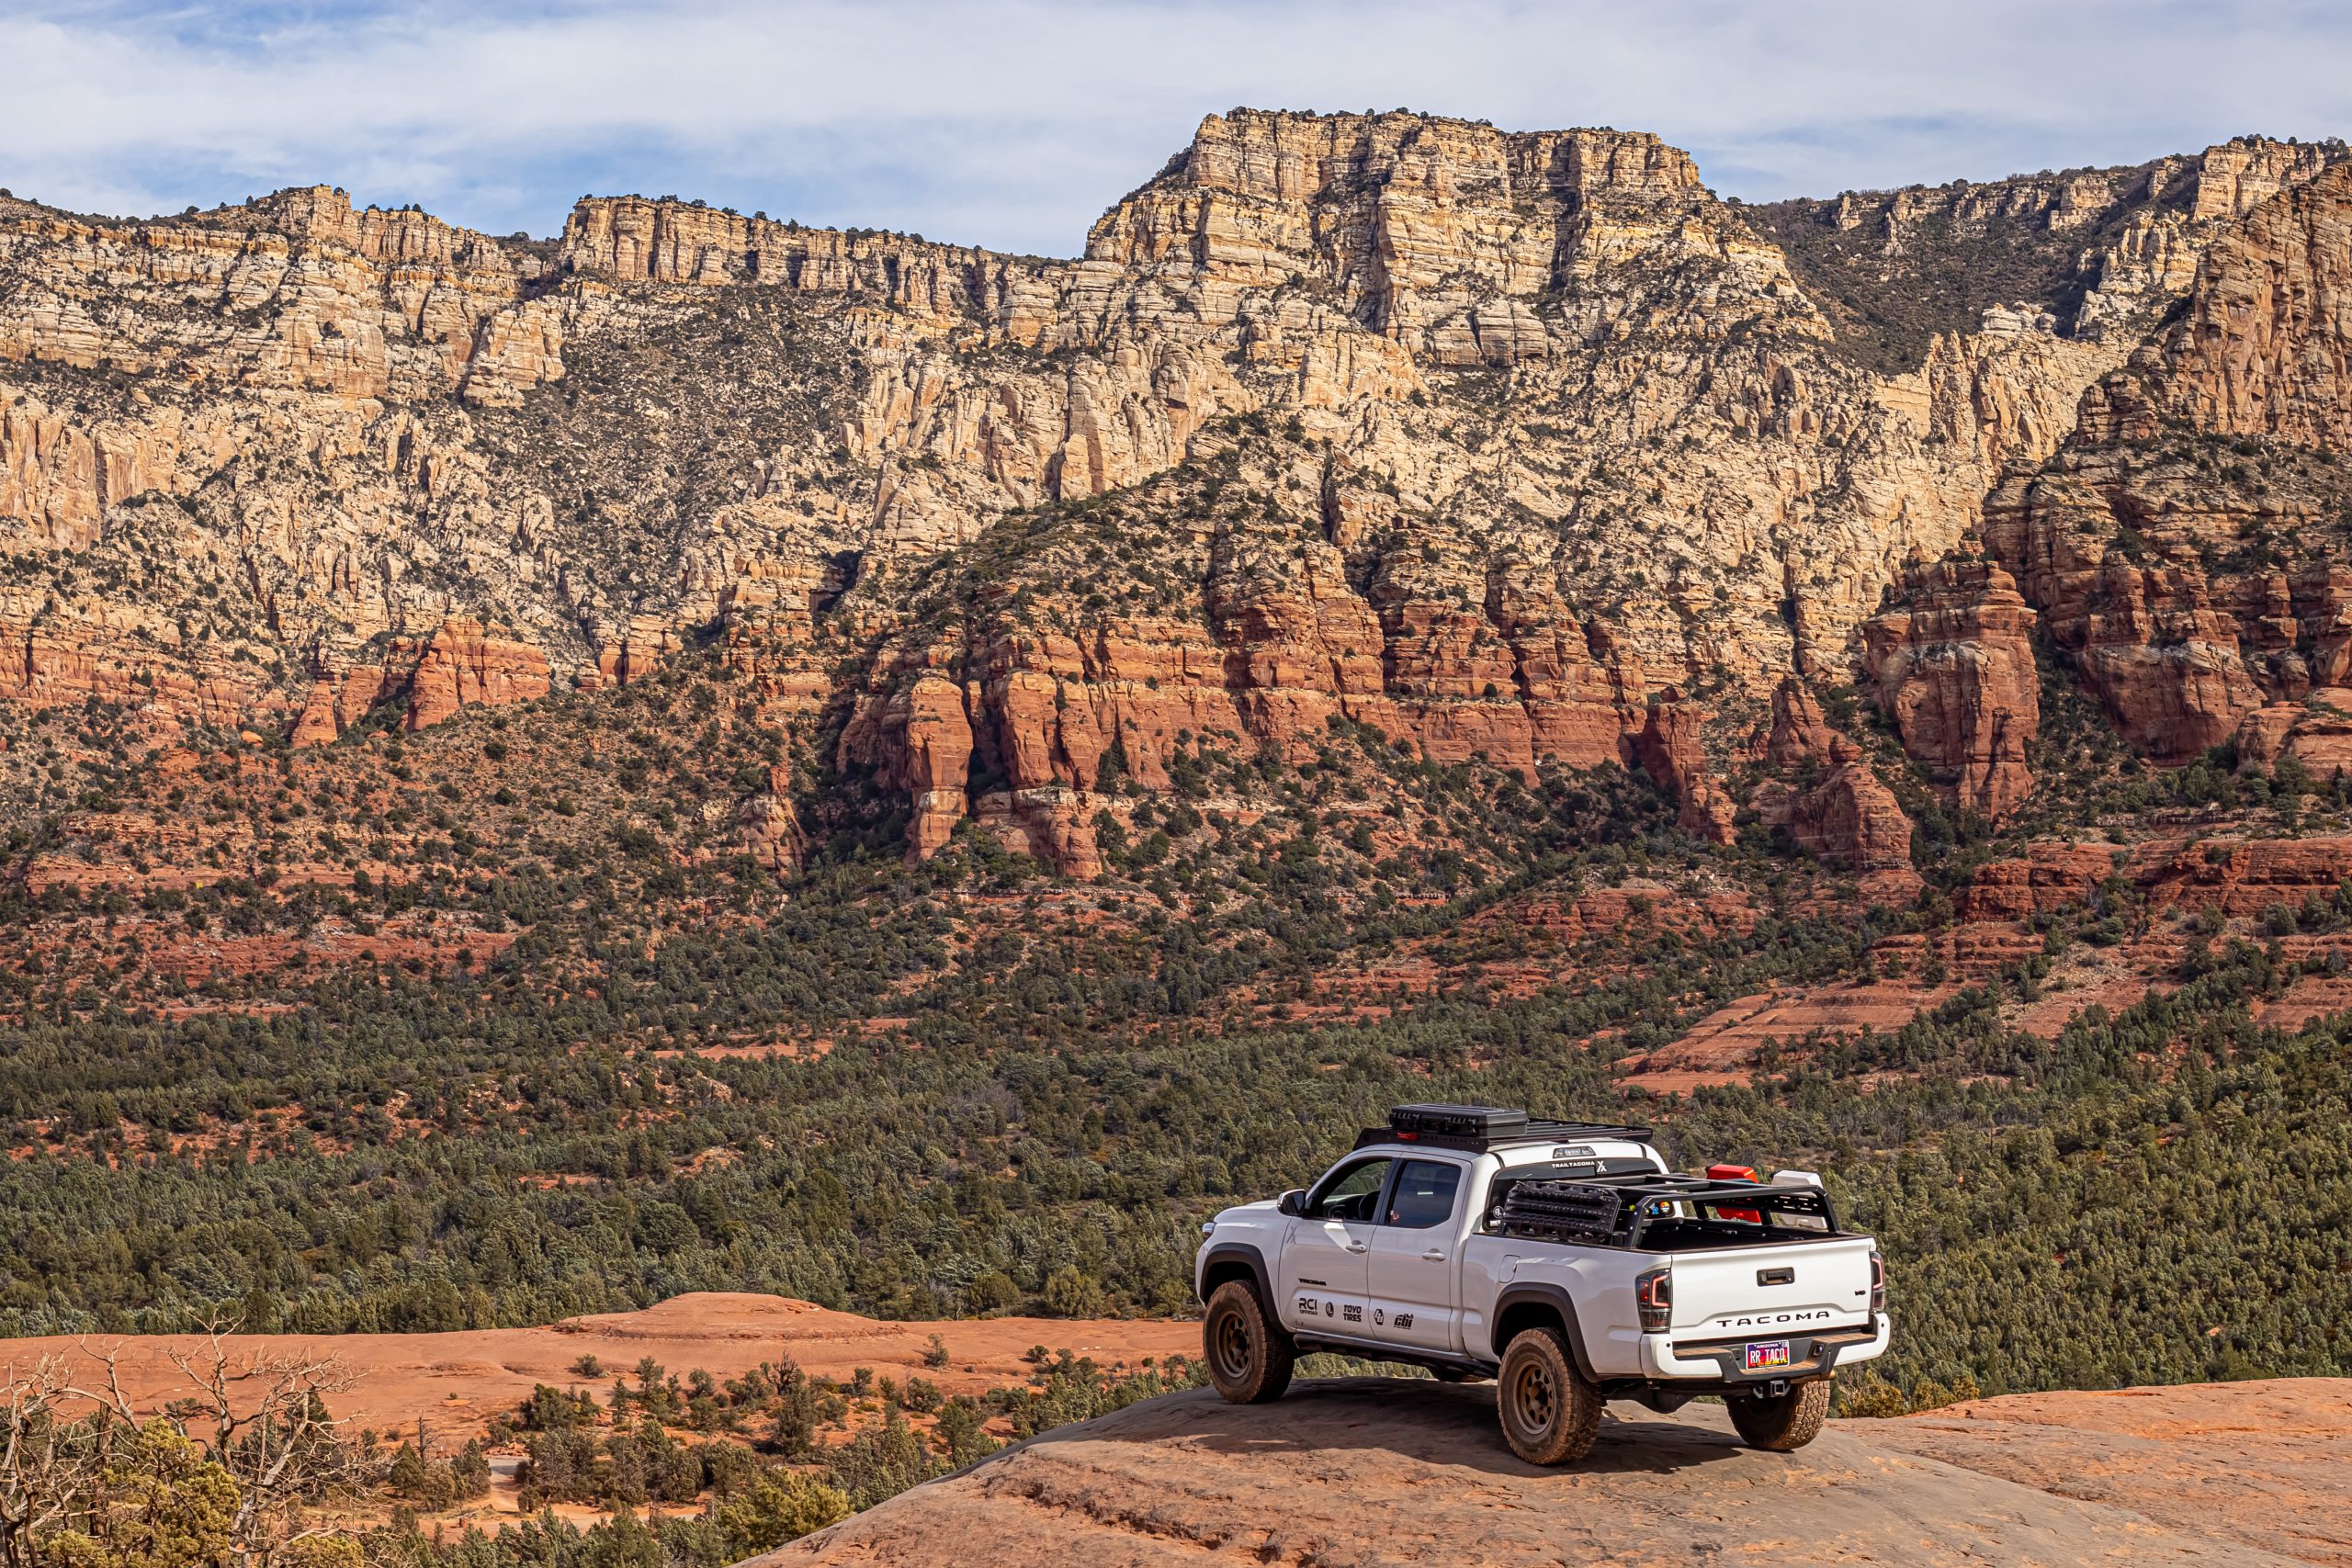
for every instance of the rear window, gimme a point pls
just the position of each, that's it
(1671, 1225)
(1424, 1194)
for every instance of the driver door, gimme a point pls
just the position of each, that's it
(1413, 1278)
(1325, 1258)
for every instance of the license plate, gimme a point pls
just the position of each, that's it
(1770, 1353)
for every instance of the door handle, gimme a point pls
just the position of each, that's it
(1434, 1255)
(1359, 1247)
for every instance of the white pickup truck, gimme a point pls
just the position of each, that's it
(1561, 1259)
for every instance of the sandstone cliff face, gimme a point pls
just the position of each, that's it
(464, 664)
(1671, 752)
(2259, 350)
(2185, 547)
(1829, 799)
(1480, 438)
(1953, 665)
(2094, 256)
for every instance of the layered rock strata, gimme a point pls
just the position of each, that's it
(1481, 439)
(2186, 547)
(1952, 666)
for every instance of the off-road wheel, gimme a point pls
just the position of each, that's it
(1785, 1424)
(1550, 1414)
(1250, 1355)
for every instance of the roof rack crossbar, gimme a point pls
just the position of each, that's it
(1531, 1131)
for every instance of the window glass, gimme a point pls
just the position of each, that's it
(1352, 1193)
(1424, 1195)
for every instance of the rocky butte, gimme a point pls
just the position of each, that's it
(1515, 444)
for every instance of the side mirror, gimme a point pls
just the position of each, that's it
(1293, 1201)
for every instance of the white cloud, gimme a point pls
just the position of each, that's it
(1013, 123)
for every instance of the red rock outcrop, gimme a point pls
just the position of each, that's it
(340, 698)
(1346, 1470)
(1800, 734)
(2316, 734)
(2237, 877)
(59, 651)
(769, 825)
(2178, 548)
(317, 724)
(1847, 817)
(1953, 665)
(463, 664)
(1671, 752)
(1018, 721)
(636, 652)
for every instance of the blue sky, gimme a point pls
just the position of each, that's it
(1012, 123)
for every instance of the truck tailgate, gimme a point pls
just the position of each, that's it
(1799, 1286)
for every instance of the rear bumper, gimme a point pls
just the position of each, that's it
(1720, 1361)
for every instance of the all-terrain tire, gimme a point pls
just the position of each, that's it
(1550, 1414)
(1786, 1424)
(1251, 1356)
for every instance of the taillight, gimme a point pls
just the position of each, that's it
(1878, 1284)
(1653, 1295)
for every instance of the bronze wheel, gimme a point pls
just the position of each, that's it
(1549, 1414)
(1249, 1357)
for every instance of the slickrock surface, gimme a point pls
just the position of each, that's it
(1348, 1473)
(2259, 1463)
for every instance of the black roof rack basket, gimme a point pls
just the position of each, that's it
(1478, 1128)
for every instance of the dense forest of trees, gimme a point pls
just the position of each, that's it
(965, 1088)
(2158, 1194)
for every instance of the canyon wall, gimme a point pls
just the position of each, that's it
(1498, 443)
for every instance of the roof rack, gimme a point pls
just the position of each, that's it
(1478, 1128)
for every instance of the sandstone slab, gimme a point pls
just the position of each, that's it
(1344, 1472)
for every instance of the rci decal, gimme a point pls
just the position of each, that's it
(1307, 1306)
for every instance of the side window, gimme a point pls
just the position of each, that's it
(1425, 1192)
(1352, 1192)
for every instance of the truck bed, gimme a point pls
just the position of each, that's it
(1648, 1212)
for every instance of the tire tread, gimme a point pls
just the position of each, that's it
(1277, 1353)
(1784, 1425)
(1574, 1437)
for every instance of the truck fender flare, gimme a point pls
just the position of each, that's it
(1235, 1252)
(1559, 1301)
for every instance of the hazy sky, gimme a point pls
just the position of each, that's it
(1012, 123)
